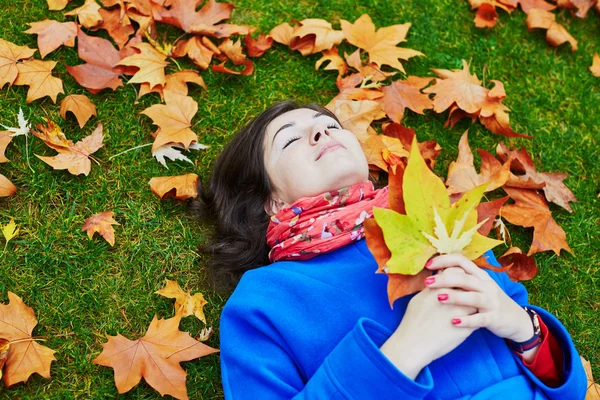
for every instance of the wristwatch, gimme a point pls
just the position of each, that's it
(520, 347)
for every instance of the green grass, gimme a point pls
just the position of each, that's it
(78, 287)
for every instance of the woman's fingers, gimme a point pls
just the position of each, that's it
(473, 321)
(476, 300)
(456, 260)
(451, 278)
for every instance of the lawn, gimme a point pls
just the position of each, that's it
(84, 289)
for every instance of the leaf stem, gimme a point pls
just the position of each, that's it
(182, 349)
(128, 150)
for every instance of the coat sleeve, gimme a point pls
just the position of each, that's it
(574, 384)
(256, 363)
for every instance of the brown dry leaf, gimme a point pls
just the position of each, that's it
(595, 68)
(520, 267)
(181, 187)
(531, 210)
(528, 5)
(155, 356)
(380, 44)
(80, 106)
(88, 14)
(315, 35)
(349, 89)
(283, 33)
(356, 116)
(257, 47)
(73, 157)
(551, 182)
(37, 74)
(232, 51)
(57, 4)
(556, 33)
(185, 303)
(151, 64)
(336, 63)
(429, 150)
(5, 139)
(4, 348)
(463, 177)
(593, 392)
(582, 6)
(383, 151)
(53, 34)
(195, 49)
(6, 187)
(486, 15)
(118, 25)
(101, 70)
(489, 210)
(26, 356)
(101, 223)
(371, 71)
(174, 120)
(10, 53)
(175, 83)
(401, 95)
(205, 21)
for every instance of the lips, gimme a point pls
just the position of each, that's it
(330, 147)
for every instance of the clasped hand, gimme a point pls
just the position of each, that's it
(462, 283)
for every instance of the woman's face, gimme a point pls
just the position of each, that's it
(308, 153)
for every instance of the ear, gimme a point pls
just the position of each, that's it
(273, 205)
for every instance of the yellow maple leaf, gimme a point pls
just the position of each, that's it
(185, 303)
(423, 232)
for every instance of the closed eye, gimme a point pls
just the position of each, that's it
(333, 126)
(291, 140)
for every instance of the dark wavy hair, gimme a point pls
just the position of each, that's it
(235, 202)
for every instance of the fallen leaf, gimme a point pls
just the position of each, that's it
(10, 230)
(88, 14)
(429, 150)
(336, 63)
(350, 89)
(257, 47)
(10, 132)
(380, 44)
(522, 267)
(528, 5)
(595, 68)
(10, 54)
(401, 95)
(151, 64)
(6, 187)
(531, 210)
(356, 116)
(80, 106)
(53, 34)
(117, 23)
(37, 75)
(155, 357)
(101, 223)
(173, 152)
(4, 348)
(556, 33)
(73, 157)
(57, 4)
(175, 83)
(462, 175)
(315, 35)
(487, 211)
(593, 391)
(26, 356)
(185, 303)
(371, 70)
(174, 120)
(582, 6)
(195, 49)
(101, 70)
(181, 187)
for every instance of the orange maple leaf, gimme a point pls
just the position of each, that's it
(531, 210)
(25, 355)
(151, 64)
(174, 120)
(10, 54)
(37, 74)
(101, 223)
(349, 90)
(556, 34)
(196, 49)
(257, 47)
(185, 303)
(463, 177)
(356, 116)
(73, 157)
(6, 187)
(117, 23)
(315, 35)
(595, 68)
(174, 83)
(336, 63)
(53, 34)
(88, 14)
(180, 187)
(155, 357)
(401, 95)
(380, 44)
(80, 106)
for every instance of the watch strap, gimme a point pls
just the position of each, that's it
(536, 339)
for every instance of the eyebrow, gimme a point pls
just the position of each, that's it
(290, 124)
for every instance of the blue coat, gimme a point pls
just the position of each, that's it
(312, 330)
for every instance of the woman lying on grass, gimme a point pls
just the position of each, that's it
(311, 319)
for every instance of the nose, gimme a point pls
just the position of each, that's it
(318, 132)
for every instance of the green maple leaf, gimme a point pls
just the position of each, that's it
(424, 231)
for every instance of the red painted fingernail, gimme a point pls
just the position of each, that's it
(456, 321)
(442, 297)
(428, 263)
(429, 280)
